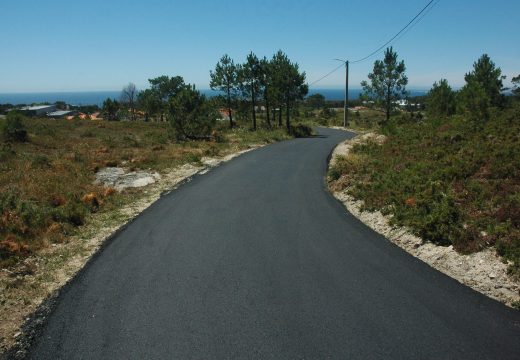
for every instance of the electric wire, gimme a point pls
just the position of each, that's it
(398, 35)
(393, 37)
(328, 74)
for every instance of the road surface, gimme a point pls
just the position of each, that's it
(256, 260)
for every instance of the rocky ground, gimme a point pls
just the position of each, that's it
(484, 271)
(28, 290)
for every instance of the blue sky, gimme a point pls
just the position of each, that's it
(58, 45)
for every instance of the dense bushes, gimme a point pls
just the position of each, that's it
(14, 129)
(449, 181)
(191, 117)
(301, 130)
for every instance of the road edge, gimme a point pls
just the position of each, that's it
(36, 320)
(498, 286)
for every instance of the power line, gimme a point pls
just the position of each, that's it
(401, 32)
(324, 76)
(418, 20)
(396, 35)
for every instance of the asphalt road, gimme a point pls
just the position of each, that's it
(256, 260)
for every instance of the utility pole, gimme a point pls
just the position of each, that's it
(345, 105)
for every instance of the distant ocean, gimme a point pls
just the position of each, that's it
(97, 97)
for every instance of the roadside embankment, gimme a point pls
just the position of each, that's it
(484, 271)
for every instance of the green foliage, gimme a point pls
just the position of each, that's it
(167, 87)
(110, 109)
(249, 82)
(441, 100)
(301, 130)
(162, 90)
(482, 90)
(41, 161)
(191, 117)
(150, 102)
(387, 81)
(275, 83)
(516, 85)
(315, 101)
(14, 128)
(473, 101)
(289, 82)
(225, 78)
(489, 78)
(447, 180)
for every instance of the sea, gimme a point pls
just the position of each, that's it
(97, 97)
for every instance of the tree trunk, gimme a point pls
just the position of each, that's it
(229, 108)
(388, 104)
(280, 114)
(267, 113)
(254, 105)
(287, 119)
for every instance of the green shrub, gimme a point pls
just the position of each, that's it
(14, 129)
(74, 212)
(41, 161)
(301, 130)
(192, 158)
(191, 115)
(6, 151)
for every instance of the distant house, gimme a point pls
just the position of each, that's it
(224, 114)
(401, 102)
(59, 114)
(94, 116)
(38, 110)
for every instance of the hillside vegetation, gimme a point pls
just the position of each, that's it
(451, 180)
(451, 174)
(47, 176)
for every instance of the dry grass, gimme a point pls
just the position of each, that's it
(47, 184)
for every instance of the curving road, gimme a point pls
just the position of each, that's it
(256, 260)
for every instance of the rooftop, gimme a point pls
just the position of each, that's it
(59, 113)
(37, 107)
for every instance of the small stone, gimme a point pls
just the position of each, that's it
(17, 334)
(492, 275)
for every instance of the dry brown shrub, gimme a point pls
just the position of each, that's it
(54, 228)
(58, 200)
(109, 191)
(88, 198)
(410, 202)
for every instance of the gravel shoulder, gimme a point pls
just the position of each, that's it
(28, 290)
(484, 271)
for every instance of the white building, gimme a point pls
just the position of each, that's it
(39, 109)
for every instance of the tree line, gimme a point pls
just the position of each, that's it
(275, 84)
(483, 90)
